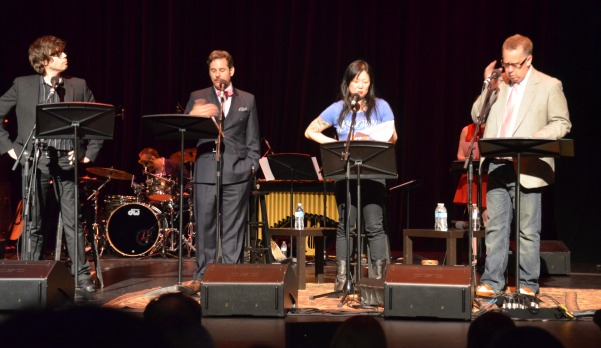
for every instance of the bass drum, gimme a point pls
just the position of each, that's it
(134, 229)
(115, 201)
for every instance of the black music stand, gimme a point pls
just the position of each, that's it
(291, 166)
(173, 127)
(376, 159)
(518, 148)
(76, 120)
(367, 160)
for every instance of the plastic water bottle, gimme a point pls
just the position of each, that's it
(299, 217)
(284, 248)
(475, 218)
(440, 217)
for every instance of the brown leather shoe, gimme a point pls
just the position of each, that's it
(484, 290)
(524, 290)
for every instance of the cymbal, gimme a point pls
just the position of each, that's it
(189, 156)
(87, 179)
(110, 173)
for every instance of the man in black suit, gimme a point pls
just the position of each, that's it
(55, 156)
(240, 148)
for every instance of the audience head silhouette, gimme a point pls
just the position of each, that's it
(526, 337)
(363, 331)
(177, 317)
(89, 326)
(486, 327)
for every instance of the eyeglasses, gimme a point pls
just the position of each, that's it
(513, 65)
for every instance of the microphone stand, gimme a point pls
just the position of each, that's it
(469, 166)
(219, 251)
(349, 287)
(28, 182)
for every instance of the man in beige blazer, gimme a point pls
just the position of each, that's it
(527, 103)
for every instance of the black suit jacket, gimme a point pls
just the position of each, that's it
(24, 96)
(240, 146)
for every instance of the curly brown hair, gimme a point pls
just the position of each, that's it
(221, 54)
(43, 49)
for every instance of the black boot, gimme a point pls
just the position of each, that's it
(340, 275)
(379, 269)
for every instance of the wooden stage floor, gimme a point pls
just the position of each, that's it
(126, 275)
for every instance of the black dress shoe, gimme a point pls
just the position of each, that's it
(87, 285)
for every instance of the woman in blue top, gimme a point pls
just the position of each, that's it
(374, 121)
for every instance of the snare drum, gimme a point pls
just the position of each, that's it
(160, 189)
(134, 229)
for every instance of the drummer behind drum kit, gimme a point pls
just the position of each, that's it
(142, 225)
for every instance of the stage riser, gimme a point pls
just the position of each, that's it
(248, 290)
(414, 291)
(35, 284)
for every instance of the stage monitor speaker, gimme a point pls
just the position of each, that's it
(416, 291)
(35, 284)
(269, 290)
(554, 258)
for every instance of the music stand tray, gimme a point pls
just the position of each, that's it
(169, 126)
(377, 159)
(94, 120)
(290, 166)
(526, 147)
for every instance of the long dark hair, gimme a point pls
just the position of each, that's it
(352, 71)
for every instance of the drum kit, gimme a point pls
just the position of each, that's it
(143, 224)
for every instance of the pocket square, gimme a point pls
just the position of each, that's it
(243, 108)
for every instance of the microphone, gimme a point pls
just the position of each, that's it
(269, 150)
(120, 112)
(222, 85)
(54, 83)
(355, 100)
(493, 76)
(145, 237)
(179, 109)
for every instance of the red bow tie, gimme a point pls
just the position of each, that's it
(227, 93)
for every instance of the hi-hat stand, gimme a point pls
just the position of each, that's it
(98, 236)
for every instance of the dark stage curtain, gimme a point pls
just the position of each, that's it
(147, 56)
